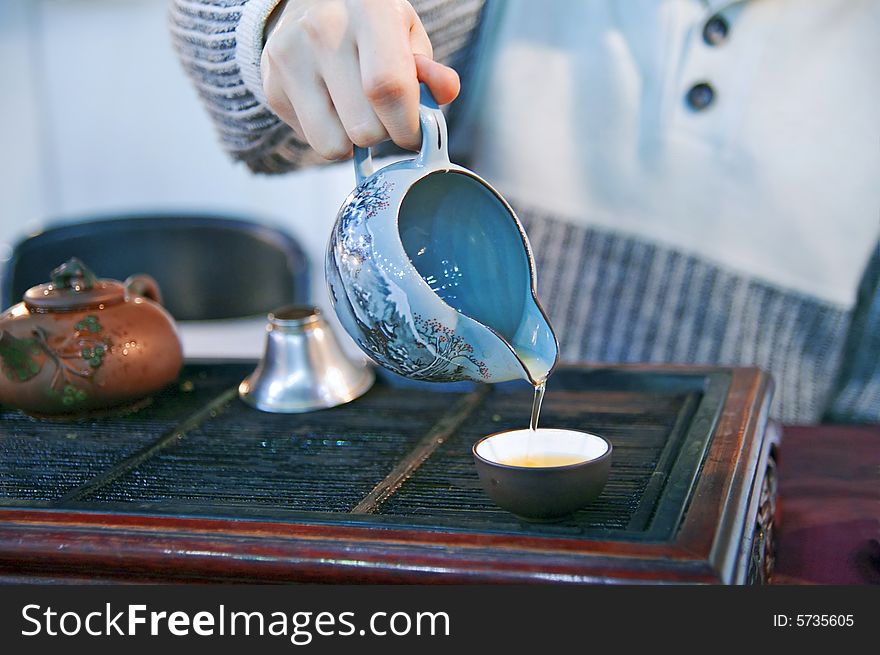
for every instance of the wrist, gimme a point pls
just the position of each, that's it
(272, 20)
(295, 8)
(249, 40)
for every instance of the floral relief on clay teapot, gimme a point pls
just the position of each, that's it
(431, 273)
(79, 344)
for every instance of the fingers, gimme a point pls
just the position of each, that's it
(388, 71)
(319, 122)
(298, 95)
(348, 72)
(342, 76)
(277, 97)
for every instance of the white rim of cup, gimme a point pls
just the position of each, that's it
(492, 462)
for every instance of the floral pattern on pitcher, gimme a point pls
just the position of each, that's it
(371, 197)
(376, 311)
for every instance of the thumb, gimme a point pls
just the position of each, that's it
(442, 80)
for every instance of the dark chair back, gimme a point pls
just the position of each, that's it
(207, 267)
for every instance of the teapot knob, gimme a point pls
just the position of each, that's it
(73, 274)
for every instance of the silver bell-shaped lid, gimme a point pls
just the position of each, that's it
(303, 367)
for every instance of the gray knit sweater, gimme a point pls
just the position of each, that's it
(612, 298)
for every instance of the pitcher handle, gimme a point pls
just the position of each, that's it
(434, 152)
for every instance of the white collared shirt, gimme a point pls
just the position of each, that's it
(582, 110)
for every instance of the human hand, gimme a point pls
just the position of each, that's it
(347, 71)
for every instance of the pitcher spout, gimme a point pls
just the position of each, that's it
(536, 345)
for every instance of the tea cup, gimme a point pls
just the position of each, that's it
(544, 474)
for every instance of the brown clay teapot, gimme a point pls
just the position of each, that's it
(78, 344)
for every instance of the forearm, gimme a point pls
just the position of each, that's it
(204, 33)
(219, 42)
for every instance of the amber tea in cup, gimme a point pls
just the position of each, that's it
(543, 474)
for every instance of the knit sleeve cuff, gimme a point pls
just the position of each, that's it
(249, 44)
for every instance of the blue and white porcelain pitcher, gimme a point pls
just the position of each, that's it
(431, 273)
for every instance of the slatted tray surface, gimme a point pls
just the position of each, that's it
(400, 455)
(46, 460)
(637, 425)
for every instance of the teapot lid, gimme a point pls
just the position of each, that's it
(73, 286)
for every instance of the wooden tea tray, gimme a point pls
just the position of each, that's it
(199, 486)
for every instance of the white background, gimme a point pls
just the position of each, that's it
(97, 117)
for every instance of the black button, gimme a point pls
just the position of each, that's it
(715, 31)
(700, 96)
